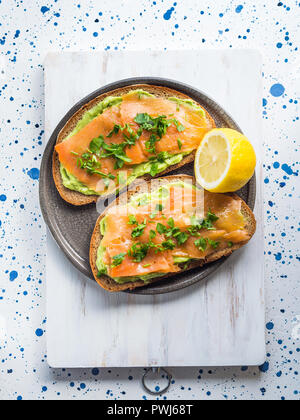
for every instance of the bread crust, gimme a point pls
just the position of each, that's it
(138, 188)
(78, 199)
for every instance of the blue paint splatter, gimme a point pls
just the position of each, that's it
(279, 45)
(13, 275)
(277, 90)
(265, 367)
(39, 332)
(44, 9)
(278, 256)
(239, 8)
(276, 165)
(287, 169)
(3, 197)
(17, 34)
(168, 14)
(34, 173)
(95, 372)
(82, 386)
(270, 326)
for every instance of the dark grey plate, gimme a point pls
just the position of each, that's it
(72, 226)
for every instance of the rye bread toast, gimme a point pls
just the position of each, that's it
(79, 199)
(138, 188)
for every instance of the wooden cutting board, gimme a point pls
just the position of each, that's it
(218, 322)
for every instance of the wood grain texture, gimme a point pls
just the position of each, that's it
(214, 323)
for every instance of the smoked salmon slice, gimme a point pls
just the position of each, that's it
(138, 241)
(119, 120)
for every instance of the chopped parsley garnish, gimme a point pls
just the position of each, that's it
(152, 234)
(161, 229)
(213, 244)
(159, 207)
(157, 126)
(132, 220)
(169, 244)
(139, 230)
(230, 244)
(138, 251)
(179, 142)
(118, 259)
(201, 244)
(182, 238)
(171, 222)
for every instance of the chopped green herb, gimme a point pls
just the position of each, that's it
(161, 228)
(138, 251)
(201, 244)
(171, 222)
(213, 244)
(152, 234)
(179, 142)
(182, 238)
(139, 230)
(146, 265)
(118, 259)
(132, 220)
(230, 244)
(169, 244)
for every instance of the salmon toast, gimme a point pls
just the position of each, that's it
(135, 132)
(163, 227)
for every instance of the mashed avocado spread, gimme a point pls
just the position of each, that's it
(72, 183)
(161, 193)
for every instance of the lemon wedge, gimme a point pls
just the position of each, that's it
(224, 161)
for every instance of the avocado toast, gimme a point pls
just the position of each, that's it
(139, 131)
(164, 227)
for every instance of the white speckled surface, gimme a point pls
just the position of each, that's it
(27, 31)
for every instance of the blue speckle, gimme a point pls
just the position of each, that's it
(17, 34)
(286, 168)
(157, 388)
(34, 173)
(277, 90)
(276, 165)
(266, 180)
(265, 367)
(3, 197)
(44, 9)
(168, 14)
(239, 8)
(278, 256)
(270, 326)
(44, 389)
(39, 332)
(13, 275)
(19, 398)
(82, 386)
(95, 371)
(264, 102)
(95, 34)
(279, 45)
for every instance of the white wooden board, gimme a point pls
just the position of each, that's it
(214, 323)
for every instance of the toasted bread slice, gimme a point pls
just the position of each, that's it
(138, 188)
(79, 199)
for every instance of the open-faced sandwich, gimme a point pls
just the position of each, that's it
(163, 227)
(139, 131)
